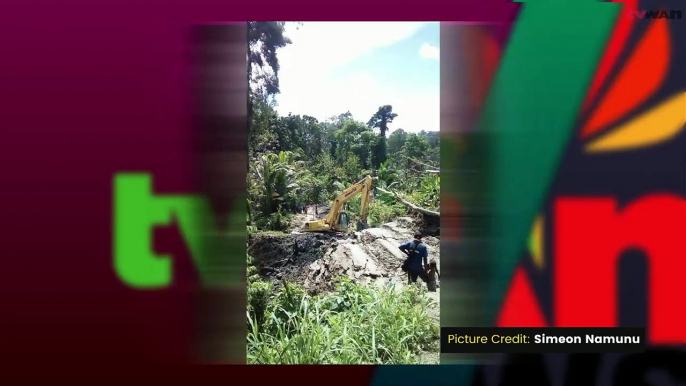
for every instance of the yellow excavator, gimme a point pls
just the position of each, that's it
(337, 220)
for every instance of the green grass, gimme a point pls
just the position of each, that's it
(353, 325)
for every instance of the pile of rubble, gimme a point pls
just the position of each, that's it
(370, 256)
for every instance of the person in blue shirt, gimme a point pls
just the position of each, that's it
(417, 260)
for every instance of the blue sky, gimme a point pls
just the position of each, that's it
(331, 68)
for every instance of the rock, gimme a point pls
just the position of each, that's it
(392, 248)
(405, 222)
(399, 232)
(371, 269)
(375, 233)
(358, 256)
(431, 241)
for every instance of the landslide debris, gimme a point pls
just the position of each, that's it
(312, 260)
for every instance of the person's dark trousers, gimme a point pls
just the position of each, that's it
(412, 275)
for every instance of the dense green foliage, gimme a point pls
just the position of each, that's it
(297, 160)
(353, 325)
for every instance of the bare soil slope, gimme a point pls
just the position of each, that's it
(312, 260)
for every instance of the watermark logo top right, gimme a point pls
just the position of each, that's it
(655, 14)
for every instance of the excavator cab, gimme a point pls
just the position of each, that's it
(343, 221)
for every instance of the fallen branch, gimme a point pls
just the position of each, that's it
(420, 162)
(410, 205)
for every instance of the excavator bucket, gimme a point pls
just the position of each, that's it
(362, 225)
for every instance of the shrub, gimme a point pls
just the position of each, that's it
(258, 300)
(381, 212)
(353, 325)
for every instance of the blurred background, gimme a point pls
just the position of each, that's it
(126, 159)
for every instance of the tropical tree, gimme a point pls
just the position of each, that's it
(264, 39)
(380, 120)
(274, 181)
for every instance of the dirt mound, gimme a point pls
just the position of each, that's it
(287, 256)
(372, 257)
(429, 226)
(314, 259)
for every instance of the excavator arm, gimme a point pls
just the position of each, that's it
(366, 196)
(331, 223)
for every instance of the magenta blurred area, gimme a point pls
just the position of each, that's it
(90, 90)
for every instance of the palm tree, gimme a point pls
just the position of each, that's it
(276, 176)
(265, 172)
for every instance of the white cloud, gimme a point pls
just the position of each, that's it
(308, 87)
(324, 46)
(416, 113)
(428, 51)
